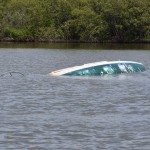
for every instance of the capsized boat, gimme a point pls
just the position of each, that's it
(101, 68)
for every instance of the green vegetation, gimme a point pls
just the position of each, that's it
(75, 20)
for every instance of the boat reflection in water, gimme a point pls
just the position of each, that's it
(101, 68)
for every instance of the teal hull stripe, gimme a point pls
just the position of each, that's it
(112, 69)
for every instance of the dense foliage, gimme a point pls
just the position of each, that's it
(81, 20)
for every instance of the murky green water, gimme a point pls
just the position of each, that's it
(40, 112)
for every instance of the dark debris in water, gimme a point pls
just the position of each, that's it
(11, 74)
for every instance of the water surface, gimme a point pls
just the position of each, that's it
(40, 112)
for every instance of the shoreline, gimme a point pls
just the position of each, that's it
(31, 40)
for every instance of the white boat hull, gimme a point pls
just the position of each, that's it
(101, 68)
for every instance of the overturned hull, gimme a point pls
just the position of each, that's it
(101, 69)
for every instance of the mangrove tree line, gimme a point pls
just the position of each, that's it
(75, 20)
